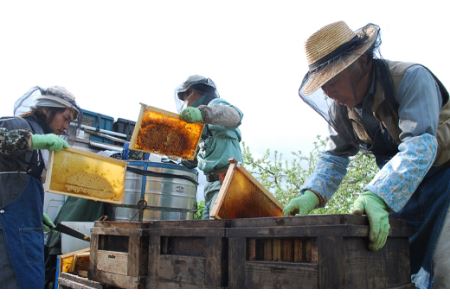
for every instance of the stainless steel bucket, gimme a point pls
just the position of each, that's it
(169, 191)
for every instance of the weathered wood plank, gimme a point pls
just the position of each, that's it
(216, 265)
(71, 281)
(280, 275)
(236, 262)
(332, 262)
(188, 257)
(120, 253)
(335, 255)
(181, 270)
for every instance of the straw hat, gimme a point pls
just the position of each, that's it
(329, 51)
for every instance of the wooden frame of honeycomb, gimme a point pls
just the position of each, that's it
(163, 132)
(86, 175)
(242, 196)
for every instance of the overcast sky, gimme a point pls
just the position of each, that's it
(114, 54)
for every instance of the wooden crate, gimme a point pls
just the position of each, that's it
(119, 253)
(315, 252)
(188, 254)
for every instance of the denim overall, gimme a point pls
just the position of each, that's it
(21, 223)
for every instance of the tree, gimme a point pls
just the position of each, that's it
(284, 178)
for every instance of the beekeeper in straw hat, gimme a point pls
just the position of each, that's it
(42, 116)
(400, 113)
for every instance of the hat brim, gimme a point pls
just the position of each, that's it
(318, 78)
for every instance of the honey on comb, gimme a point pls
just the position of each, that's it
(167, 135)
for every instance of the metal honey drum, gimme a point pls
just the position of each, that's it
(163, 132)
(170, 191)
(87, 175)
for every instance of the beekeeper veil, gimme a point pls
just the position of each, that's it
(329, 51)
(53, 96)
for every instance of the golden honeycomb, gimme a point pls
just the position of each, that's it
(87, 175)
(241, 196)
(165, 133)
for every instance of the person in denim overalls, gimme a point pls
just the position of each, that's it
(24, 145)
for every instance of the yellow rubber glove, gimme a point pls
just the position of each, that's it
(378, 215)
(302, 204)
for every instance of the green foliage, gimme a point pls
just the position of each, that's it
(284, 178)
(200, 207)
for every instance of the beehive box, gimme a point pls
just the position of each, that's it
(75, 263)
(87, 175)
(242, 196)
(315, 252)
(119, 253)
(163, 132)
(188, 254)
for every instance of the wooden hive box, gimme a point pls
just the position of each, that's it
(188, 254)
(327, 251)
(119, 253)
(242, 196)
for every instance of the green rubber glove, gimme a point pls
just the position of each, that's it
(378, 215)
(192, 115)
(48, 141)
(47, 222)
(301, 205)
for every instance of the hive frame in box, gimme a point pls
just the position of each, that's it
(198, 127)
(119, 199)
(256, 200)
(315, 251)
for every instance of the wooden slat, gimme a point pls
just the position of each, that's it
(332, 262)
(251, 249)
(71, 281)
(280, 275)
(181, 270)
(113, 262)
(268, 253)
(399, 228)
(276, 246)
(299, 231)
(236, 262)
(298, 250)
(216, 263)
(287, 246)
(224, 190)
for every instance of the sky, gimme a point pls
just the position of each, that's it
(113, 54)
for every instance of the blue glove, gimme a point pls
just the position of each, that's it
(48, 141)
(302, 205)
(192, 115)
(378, 215)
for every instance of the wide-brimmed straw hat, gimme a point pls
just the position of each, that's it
(332, 49)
